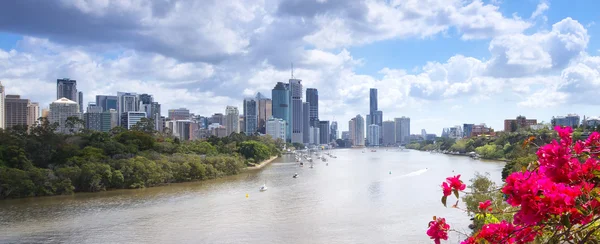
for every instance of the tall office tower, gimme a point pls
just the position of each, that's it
(128, 102)
(232, 123)
(306, 123)
(389, 132)
(352, 129)
(359, 133)
(107, 102)
(179, 114)
(402, 130)
(2, 105)
(15, 111)
(281, 106)
(217, 118)
(312, 98)
(265, 110)
(93, 117)
(276, 128)
(373, 134)
(296, 113)
(314, 136)
(372, 105)
(60, 111)
(33, 113)
(324, 132)
(152, 110)
(66, 88)
(250, 116)
(334, 131)
(80, 101)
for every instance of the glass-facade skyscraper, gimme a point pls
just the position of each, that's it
(296, 111)
(312, 98)
(280, 96)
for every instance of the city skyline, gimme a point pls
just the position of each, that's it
(529, 59)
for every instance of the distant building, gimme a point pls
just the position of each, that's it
(591, 122)
(402, 130)
(16, 111)
(217, 130)
(2, 106)
(324, 132)
(345, 135)
(97, 120)
(480, 129)
(312, 98)
(33, 113)
(232, 122)
(80, 101)
(334, 131)
(467, 129)
(374, 135)
(314, 135)
(179, 114)
(571, 120)
(276, 128)
(265, 110)
(455, 132)
(60, 111)
(512, 125)
(242, 124)
(296, 117)
(107, 102)
(66, 88)
(45, 112)
(218, 118)
(127, 102)
(359, 131)
(389, 132)
(131, 118)
(281, 105)
(250, 115)
(306, 132)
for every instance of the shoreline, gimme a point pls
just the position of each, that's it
(262, 164)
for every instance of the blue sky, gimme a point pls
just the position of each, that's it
(441, 63)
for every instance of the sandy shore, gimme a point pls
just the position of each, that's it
(262, 164)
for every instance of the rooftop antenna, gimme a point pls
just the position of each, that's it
(292, 70)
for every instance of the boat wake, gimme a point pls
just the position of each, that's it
(415, 173)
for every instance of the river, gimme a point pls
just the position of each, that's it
(387, 196)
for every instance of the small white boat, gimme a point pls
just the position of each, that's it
(295, 175)
(263, 188)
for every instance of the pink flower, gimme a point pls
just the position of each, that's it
(438, 230)
(580, 147)
(485, 205)
(470, 240)
(456, 183)
(447, 189)
(497, 233)
(565, 134)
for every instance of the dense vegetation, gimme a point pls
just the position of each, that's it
(39, 162)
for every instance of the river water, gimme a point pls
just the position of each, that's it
(388, 196)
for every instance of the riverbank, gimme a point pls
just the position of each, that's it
(262, 164)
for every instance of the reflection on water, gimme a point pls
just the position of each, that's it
(354, 199)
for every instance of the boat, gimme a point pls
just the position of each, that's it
(264, 187)
(323, 159)
(327, 164)
(295, 175)
(311, 166)
(301, 164)
(373, 150)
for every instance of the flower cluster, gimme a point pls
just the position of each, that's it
(561, 192)
(438, 230)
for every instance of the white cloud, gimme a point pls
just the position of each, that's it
(540, 9)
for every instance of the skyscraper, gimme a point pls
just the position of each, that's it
(276, 128)
(389, 132)
(306, 123)
(359, 134)
(66, 88)
(372, 104)
(324, 132)
(2, 105)
(60, 111)
(373, 135)
(281, 106)
(265, 110)
(334, 131)
(15, 111)
(130, 118)
(107, 102)
(128, 102)
(296, 113)
(312, 98)
(232, 123)
(93, 117)
(352, 130)
(250, 116)
(33, 113)
(402, 130)
(80, 101)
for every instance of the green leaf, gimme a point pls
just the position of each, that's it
(455, 192)
(444, 200)
(565, 221)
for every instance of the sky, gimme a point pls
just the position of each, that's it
(440, 62)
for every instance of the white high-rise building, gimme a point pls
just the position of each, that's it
(276, 128)
(232, 124)
(129, 119)
(402, 130)
(128, 102)
(359, 131)
(33, 113)
(60, 111)
(2, 94)
(374, 135)
(314, 135)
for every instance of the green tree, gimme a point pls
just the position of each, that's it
(255, 150)
(144, 125)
